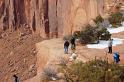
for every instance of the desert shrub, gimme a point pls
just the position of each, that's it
(123, 18)
(63, 61)
(94, 71)
(77, 34)
(48, 73)
(98, 19)
(103, 34)
(88, 35)
(116, 19)
(94, 34)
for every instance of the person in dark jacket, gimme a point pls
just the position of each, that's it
(66, 45)
(16, 78)
(73, 45)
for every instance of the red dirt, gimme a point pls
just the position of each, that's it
(17, 56)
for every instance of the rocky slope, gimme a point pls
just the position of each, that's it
(48, 17)
(18, 56)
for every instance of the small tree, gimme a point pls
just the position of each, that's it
(98, 19)
(116, 19)
(88, 35)
(77, 34)
(104, 34)
(94, 34)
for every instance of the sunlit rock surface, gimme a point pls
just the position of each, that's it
(49, 18)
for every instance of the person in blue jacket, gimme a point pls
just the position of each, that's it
(116, 57)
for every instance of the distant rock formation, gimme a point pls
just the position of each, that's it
(114, 5)
(49, 18)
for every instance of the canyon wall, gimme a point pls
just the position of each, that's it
(49, 18)
(114, 5)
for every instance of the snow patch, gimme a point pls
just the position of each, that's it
(104, 44)
(116, 30)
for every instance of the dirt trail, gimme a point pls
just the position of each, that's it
(50, 50)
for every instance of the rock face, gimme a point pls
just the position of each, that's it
(114, 5)
(50, 18)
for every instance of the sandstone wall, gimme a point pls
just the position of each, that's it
(48, 17)
(114, 5)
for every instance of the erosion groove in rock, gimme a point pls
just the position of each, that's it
(50, 18)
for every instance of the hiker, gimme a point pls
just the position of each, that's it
(110, 42)
(73, 45)
(66, 45)
(16, 78)
(116, 57)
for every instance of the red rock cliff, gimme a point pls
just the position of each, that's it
(48, 17)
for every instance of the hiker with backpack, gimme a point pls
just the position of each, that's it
(116, 57)
(66, 45)
(73, 45)
(16, 78)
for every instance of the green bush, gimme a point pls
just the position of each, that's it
(94, 71)
(77, 34)
(94, 34)
(104, 34)
(116, 19)
(88, 35)
(98, 19)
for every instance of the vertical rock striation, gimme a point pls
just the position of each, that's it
(49, 18)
